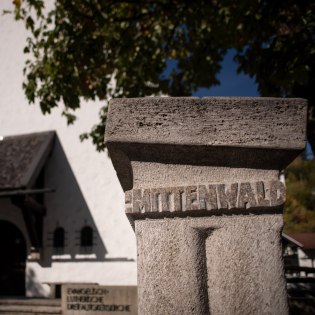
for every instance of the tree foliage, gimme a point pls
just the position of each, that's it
(110, 48)
(299, 212)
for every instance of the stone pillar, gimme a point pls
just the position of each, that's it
(204, 195)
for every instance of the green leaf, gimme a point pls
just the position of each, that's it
(77, 48)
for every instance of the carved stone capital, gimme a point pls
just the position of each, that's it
(246, 140)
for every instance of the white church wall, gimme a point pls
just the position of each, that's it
(87, 189)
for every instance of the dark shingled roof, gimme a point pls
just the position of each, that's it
(22, 157)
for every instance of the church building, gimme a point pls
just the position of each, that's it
(61, 206)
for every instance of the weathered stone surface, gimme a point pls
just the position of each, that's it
(214, 121)
(211, 265)
(202, 187)
(203, 198)
(80, 299)
(218, 131)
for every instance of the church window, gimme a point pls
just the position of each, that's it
(59, 237)
(86, 237)
(59, 240)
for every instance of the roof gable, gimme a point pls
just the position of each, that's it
(22, 157)
(306, 239)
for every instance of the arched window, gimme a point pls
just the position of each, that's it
(86, 237)
(59, 241)
(59, 238)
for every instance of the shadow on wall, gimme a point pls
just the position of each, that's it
(33, 286)
(70, 233)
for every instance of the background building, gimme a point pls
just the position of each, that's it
(69, 187)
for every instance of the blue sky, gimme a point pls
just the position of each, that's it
(232, 84)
